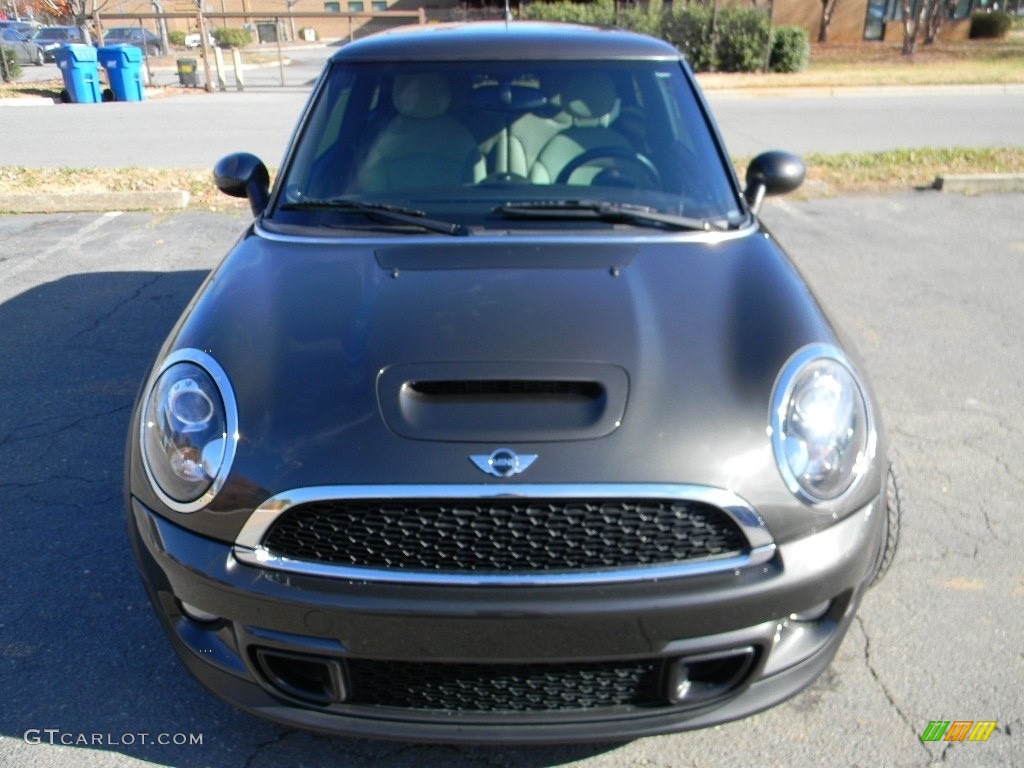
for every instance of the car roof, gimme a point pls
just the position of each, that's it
(514, 41)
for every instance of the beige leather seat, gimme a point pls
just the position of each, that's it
(591, 103)
(422, 145)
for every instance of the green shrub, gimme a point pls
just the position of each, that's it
(637, 19)
(791, 50)
(176, 37)
(689, 30)
(13, 65)
(600, 13)
(232, 37)
(990, 25)
(742, 39)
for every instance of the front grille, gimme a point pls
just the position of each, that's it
(503, 535)
(505, 687)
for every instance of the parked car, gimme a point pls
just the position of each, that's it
(137, 36)
(506, 420)
(27, 28)
(25, 51)
(194, 39)
(51, 38)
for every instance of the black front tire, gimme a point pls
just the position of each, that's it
(895, 497)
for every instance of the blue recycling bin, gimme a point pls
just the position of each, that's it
(81, 75)
(124, 71)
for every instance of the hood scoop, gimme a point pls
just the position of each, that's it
(503, 402)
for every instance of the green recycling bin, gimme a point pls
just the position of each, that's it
(187, 73)
(124, 71)
(80, 72)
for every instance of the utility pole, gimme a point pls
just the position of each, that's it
(204, 45)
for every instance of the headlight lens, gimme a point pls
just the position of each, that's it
(821, 428)
(188, 430)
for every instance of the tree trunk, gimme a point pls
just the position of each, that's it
(768, 44)
(909, 29)
(941, 9)
(161, 25)
(828, 7)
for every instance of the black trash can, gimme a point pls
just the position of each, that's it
(187, 74)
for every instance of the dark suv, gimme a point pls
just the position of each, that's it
(506, 420)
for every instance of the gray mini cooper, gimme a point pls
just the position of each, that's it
(506, 420)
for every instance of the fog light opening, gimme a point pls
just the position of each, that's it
(698, 679)
(804, 633)
(813, 613)
(307, 678)
(198, 614)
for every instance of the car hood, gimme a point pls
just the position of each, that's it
(664, 352)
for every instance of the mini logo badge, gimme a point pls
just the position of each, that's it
(503, 462)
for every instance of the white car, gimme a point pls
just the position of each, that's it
(193, 40)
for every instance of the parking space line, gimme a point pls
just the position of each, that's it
(32, 261)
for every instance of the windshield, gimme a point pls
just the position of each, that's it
(466, 142)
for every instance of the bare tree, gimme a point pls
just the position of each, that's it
(79, 11)
(913, 23)
(940, 11)
(828, 7)
(161, 25)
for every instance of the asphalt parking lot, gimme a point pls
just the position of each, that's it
(928, 286)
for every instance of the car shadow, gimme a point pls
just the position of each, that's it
(83, 661)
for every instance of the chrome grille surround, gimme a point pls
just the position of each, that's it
(250, 548)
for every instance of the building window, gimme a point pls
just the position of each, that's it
(963, 9)
(380, 5)
(332, 7)
(355, 6)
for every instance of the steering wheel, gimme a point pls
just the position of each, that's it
(611, 153)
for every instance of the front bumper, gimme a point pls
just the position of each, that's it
(295, 648)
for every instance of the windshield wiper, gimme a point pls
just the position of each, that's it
(382, 212)
(604, 211)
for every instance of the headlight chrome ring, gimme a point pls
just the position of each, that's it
(822, 429)
(188, 429)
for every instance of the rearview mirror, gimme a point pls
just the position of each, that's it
(772, 173)
(244, 175)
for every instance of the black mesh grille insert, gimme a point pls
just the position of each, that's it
(505, 687)
(503, 535)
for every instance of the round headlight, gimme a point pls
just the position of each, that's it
(188, 430)
(821, 426)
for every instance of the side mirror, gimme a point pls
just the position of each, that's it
(772, 173)
(244, 175)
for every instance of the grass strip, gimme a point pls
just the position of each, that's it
(827, 175)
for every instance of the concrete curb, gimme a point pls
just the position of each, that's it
(979, 183)
(92, 202)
